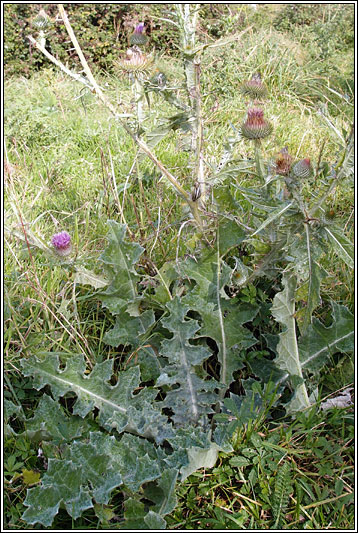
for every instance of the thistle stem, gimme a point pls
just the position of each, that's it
(141, 144)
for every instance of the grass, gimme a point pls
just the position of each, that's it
(61, 147)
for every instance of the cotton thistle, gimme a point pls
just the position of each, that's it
(62, 243)
(138, 37)
(302, 169)
(254, 88)
(255, 126)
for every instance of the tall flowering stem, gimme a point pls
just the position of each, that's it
(188, 18)
(140, 143)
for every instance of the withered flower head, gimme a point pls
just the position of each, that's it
(283, 162)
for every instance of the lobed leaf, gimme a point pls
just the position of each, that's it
(118, 406)
(194, 396)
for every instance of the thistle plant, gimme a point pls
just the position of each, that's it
(182, 340)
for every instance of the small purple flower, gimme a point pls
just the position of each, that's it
(62, 243)
(139, 28)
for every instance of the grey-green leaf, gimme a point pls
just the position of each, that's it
(118, 406)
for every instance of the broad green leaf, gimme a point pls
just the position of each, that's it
(118, 406)
(288, 359)
(315, 274)
(229, 333)
(138, 518)
(62, 483)
(194, 396)
(10, 409)
(162, 492)
(129, 330)
(200, 458)
(134, 458)
(341, 245)
(154, 520)
(83, 276)
(134, 513)
(166, 275)
(230, 234)
(206, 275)
(50, 423)
(320, 342)
(120, 257)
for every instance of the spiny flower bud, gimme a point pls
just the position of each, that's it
(256, 127)
(254, 88)
(62, 243)
(41, 21)
(302, 169)
(138, 37)
(283, 162)
(135, 61)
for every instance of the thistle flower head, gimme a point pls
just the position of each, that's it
(283, 162)
(139, 28)
(254, 88)
(138, 37)
(62, 243)
(135, 61)
(302, 169)
(255, 126)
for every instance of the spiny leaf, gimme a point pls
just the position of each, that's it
(134, 458)
(129, 330)
(118, 406)
(230, 234)
(205, 273)
(275, 214)
(162, 492)
(120, 257)
(194, 396)
(341, 245)
(319, 342)
(228, 332)
(288, 359)
(50, 423)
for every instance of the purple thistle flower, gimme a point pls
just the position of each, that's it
(62, 243)
(139, 28)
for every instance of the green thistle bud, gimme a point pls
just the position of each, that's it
(138, 38)
(254, 88)
(41, 21)
(302, 169)
(256, 127)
